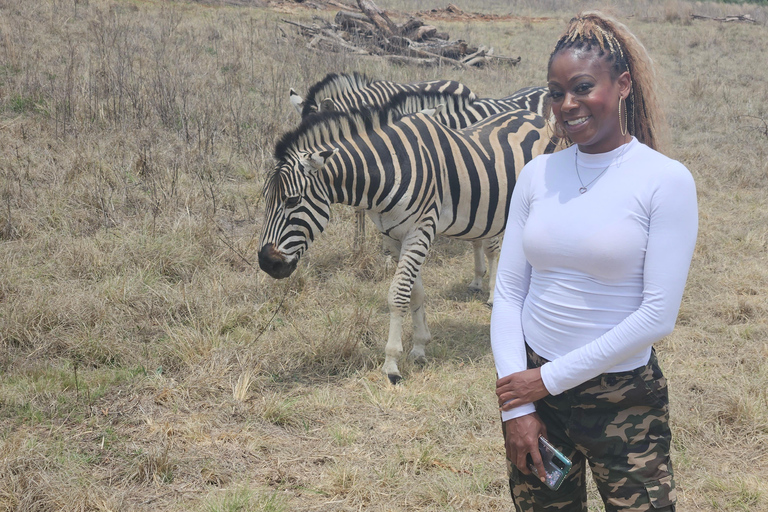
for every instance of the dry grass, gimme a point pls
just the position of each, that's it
(147, 364)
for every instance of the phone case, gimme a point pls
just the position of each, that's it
(556, 464)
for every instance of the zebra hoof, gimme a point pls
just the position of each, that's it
(394, 378)
(417, 356)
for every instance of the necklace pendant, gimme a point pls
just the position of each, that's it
(582, 190)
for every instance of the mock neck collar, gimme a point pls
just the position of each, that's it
(603, 159)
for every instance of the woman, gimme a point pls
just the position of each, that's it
(595, 257)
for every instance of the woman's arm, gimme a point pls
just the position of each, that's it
(522, 425)
(512, 281)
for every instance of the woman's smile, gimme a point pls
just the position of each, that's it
(577, 122)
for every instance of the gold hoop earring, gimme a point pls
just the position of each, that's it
(623, 120)
(559, 131)
(560, 138)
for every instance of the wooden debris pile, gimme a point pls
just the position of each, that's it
(371, 32)
(744, 18)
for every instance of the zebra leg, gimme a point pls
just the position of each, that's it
(421, 334)
(359, 229)
(406, 292)
(477, 283)
(394, 348)
(492, 249)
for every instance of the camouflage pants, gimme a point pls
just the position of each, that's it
(619, 424)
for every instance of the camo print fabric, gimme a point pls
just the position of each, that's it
(618, 423)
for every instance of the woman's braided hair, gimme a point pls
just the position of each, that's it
(612, 40)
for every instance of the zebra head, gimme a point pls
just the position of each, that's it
(329, 104)
(345, 104)
(297, 210)
(336, 93)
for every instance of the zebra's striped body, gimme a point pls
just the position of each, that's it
(416, 178)
(463, 114)
(344, 93)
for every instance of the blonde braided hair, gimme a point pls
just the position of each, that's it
(612, 40)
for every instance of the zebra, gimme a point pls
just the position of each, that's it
(345, 92)
(415, 177)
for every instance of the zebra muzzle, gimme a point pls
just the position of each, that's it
(274, 263)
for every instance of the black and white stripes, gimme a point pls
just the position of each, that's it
(415, 177)
(345, 92)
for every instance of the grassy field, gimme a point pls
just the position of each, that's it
(146, 363)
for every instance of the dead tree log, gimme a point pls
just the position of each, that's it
(372, 32)
(353, 21)
(378, 17)
(746, 18)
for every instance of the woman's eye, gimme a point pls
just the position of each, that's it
(555, 95)
(583, 88)
(292, 202)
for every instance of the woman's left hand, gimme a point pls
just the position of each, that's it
(520, 388)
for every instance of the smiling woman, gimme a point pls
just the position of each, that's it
(602, 85)
(584, 100)
(596, 253)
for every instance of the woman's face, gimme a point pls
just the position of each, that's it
(585, 99)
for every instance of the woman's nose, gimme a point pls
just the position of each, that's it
(569, 102)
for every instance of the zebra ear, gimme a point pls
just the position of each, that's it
(316, 161)
(327, 105)
(297, 101)
(434, 111)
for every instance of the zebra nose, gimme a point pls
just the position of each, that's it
(273, 263)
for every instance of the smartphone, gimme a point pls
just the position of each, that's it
(556, 464)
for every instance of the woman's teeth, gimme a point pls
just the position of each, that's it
(574, 122)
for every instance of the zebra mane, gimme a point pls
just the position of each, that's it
(322, 129)
(332, 85)
(325, 128)
(328, 127)
(411, 102)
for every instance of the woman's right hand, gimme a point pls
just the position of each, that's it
(522, 439)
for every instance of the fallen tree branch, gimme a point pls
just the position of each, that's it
(747, 18)
(353, 21)
(412, 61)
(304, 28)
(378, 17)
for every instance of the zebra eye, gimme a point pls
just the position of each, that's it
(292, 202)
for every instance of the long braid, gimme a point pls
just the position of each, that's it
(593, 31)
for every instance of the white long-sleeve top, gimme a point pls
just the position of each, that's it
(590, 281)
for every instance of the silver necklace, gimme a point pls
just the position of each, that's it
(584, 187)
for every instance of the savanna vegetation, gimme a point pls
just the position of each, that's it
(146, 363)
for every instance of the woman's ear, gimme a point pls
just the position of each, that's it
(625, 84)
